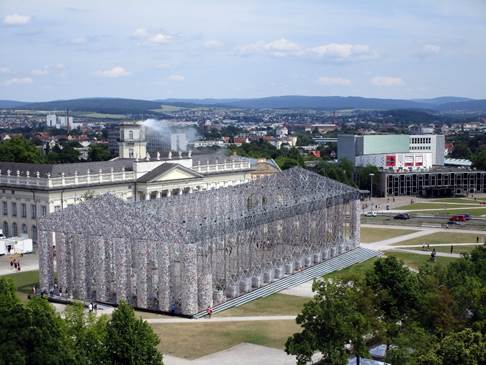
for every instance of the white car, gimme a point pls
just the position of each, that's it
(371, 213)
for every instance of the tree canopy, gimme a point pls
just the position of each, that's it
(436, 316)
(19, 149)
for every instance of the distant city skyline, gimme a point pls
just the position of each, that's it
(241, 49)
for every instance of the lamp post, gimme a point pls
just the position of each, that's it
(371, 185)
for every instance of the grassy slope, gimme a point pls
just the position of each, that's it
(436, 206)
(442, 237)
(24, 281)
(195, 340)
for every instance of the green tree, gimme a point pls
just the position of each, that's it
(14, 326)
(479, 160)
(48, 343)
(63, 154)
(463, 348)
(19, 149)
(342, 171)
(87, 335)
(99, 152)
(338, 315)
(364, 179)
(395, 291)
(131, 341)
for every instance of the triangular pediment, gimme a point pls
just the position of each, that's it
(169, 172)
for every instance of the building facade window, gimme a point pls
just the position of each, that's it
(14, 229)
(24, 229)
(130, 135)
(24, 210)
(14, 209)
(43, 210)
(5, 208)
(5, 229)
(33, 209)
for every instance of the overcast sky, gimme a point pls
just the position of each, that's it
(247, 48)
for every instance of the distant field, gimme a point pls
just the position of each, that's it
(168, 108)
(443, 237)
(194, 340)
(456, 249)
(102, 115)
(369, 235)
(457, 200)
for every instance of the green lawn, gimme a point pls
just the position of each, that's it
(102, 115)
(378, 234)
(473, 212)
(415, 261)
(194, 340)
(456, 200)
(456, 249)
(435, 205)
(357, 269)
(275, 304)
(24, 281)
(442, 237)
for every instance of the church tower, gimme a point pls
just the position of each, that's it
(132, 143)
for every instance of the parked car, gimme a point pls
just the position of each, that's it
(458, 218)
(371, 213)
(467, 216)
(402, 216)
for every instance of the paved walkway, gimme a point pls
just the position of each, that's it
(413, 228)
(426, 253)
(29, 262)
(382, 245)
(216, 319)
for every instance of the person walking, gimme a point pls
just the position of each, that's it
(209, 311)
(477, 239)
(452, 248)
(90, 307)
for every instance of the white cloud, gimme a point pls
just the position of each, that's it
(16, 19)
(176, 77)
(40, 71)
(150, 37)
(279, 47)
(428, 50)
(160, 38)
(333, 81)
(331, 51)
(4, 70)
(213, 44)
(387, 81)
(116, 71)
(162, 66)
(18, 81)
(342, 51)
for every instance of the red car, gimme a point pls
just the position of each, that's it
(458, 218)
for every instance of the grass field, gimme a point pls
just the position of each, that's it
(195, 340)
(456, 249)
(378, 234)
(357, 269)
(476, 212)
(456, 200)
(273, 305)
(103, 115)
(437, 205)
(415, 261)
(24, 281)
(442, 237)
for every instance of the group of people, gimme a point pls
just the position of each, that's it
(15, 264)
(92, 307)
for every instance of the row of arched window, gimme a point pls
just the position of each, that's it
(23, 230)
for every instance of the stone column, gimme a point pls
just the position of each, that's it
(80, 286)
(163, 272)
(45, 267)
(61, 261)
(69, 247)
(141, 272)
(355, 222)
(189, 300)
(100, 269)
(205, 289)
(121, 267)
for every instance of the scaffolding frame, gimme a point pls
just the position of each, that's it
(184, 253)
